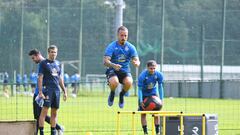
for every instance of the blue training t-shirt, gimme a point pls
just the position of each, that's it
(121, 54)
(51, 71)
(66, 78)
(33, 78)
(148, 82)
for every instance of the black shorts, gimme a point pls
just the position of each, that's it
(5, 81)
(33, 85)
(36, 108)
(120, 74)
(73, 84)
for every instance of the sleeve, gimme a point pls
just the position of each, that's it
(140, 87)
(140, 97)
(140, 80)
(40, 68)
(160, 90)
(109, 50)
(160, 86)
(60, 69)
(133, 51)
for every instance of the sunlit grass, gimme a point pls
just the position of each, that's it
(90, 112)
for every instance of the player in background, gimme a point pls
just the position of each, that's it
(49, 79)
(37, 57)
(147, 87)
(18, 83)
(5, 84)
(75, 80)
(117, 58)
(25, 84)
(66, 80)
(73, 85)
(33, 75)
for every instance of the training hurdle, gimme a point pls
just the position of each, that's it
(153, 113)
(186, 123)
(181, 115)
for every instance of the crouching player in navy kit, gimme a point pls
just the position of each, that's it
(147, 87)
(37, 57)
(117, 57)
(49, 80)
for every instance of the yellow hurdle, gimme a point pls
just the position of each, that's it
(141, 112)
(162, 114)
(181, 115)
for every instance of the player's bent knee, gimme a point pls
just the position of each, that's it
(113, 79)
(128, 80)
(128, 83)
(113, 83)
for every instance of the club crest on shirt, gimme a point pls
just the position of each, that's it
(121, 58)
(150, 85)
(54, 72)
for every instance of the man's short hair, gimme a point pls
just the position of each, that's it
(52, 47)
(123, 28)
(33, 52)
(151, 63)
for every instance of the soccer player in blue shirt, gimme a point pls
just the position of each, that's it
(33, 75)
(147, 87)
(18, 82)
(75, 80)
(66, 80)
(25, 84)
(117, 57)
(37, 57)
(50, 78)
(5, 85)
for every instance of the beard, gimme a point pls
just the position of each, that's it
(122, 42)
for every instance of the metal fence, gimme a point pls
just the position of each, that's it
(193, 41)
(171, 32)
(88, 111)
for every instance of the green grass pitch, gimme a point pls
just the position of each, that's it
(91, 113)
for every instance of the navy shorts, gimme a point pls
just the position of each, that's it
(18, 84)
(120, 74)
(52, 97)
(36, 108)
(5, 81)
(33, 85)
